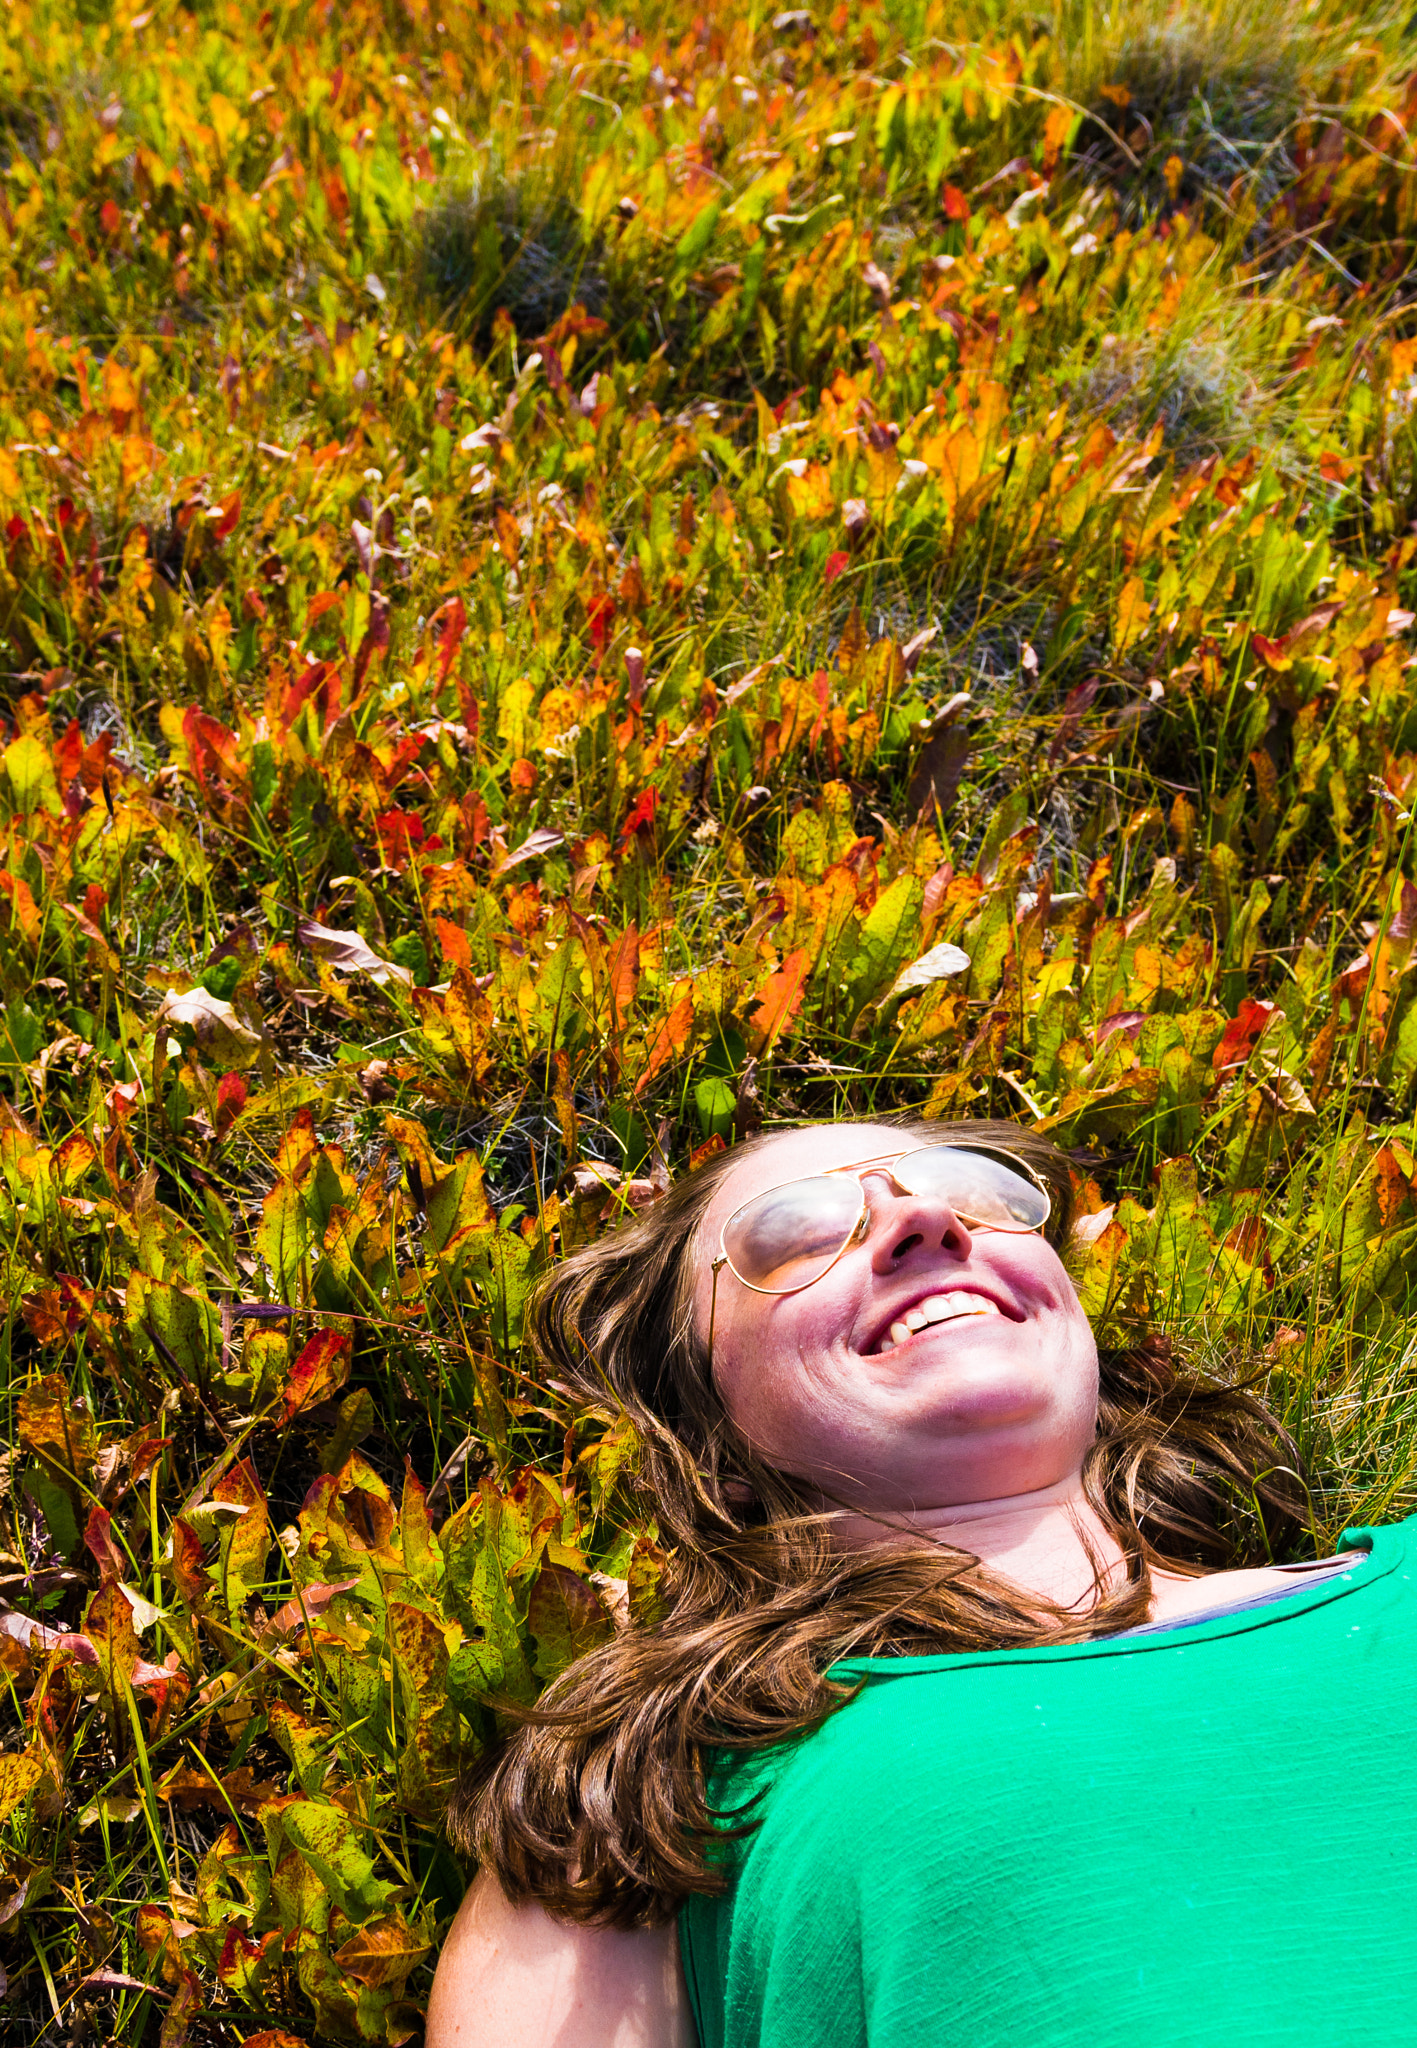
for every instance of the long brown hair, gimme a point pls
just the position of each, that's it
(596, 1806)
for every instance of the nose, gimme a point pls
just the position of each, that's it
(902, 1223)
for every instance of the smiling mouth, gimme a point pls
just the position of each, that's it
(937, 1308)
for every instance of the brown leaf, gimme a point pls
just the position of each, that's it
(537, 843)
(939, 771)
(188, 1789)
(56, 1427)
(382, 1955)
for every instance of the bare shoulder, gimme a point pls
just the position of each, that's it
(512, 1977)
(1174, 1596)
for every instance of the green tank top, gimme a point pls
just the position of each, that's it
(1205, 1836)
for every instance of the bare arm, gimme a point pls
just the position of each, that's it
(512, 1977)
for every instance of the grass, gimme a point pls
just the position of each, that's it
(546, 559)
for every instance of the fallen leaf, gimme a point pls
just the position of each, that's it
(219, 1032)
(940, 961)
(349, 952)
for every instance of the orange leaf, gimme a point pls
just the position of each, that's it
(671, 1038)
(781, 997)
(452, 943)
(298, 1146)
(26, 909)
(624, 977)
(323, 601)
(1394, 1188)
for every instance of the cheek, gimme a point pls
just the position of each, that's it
(772, 1365)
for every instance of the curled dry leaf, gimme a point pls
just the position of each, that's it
(1088, 1229)
(543, 841)
(221, 1036)
(348, 952)
(935, 965)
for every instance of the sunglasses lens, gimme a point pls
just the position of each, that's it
(788, 1237)
(981, 1188)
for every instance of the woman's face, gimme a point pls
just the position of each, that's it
(977, 1407)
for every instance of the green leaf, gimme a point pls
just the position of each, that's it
(56, 1507)
(566, 1618)
(888, 939)
(330, 1843)
(282, 1237)
(697, 236)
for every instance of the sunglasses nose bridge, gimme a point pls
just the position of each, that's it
(919, 1202)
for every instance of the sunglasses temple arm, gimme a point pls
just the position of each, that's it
(718, 1265)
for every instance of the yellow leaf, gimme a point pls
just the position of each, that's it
(1133, 614)
(18, 1777)
(810, 495)
(31, 774)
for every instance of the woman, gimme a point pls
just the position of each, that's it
(1013, 1732)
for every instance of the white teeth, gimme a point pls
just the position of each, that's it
(939, 1308)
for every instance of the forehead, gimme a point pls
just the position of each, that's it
(792, 1153)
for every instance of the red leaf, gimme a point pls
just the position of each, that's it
(955, 204)
(98, 1541)
(835, 563)
(230, 1101)
(449, 623)
(321, 1370)
(186, 1564)
(1243, 1033)
(640, 818)
(213, 749)
(230, 513)
(600, 616)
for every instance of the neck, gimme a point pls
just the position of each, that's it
(1039, 1540)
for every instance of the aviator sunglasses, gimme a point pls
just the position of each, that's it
(792, 1235)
